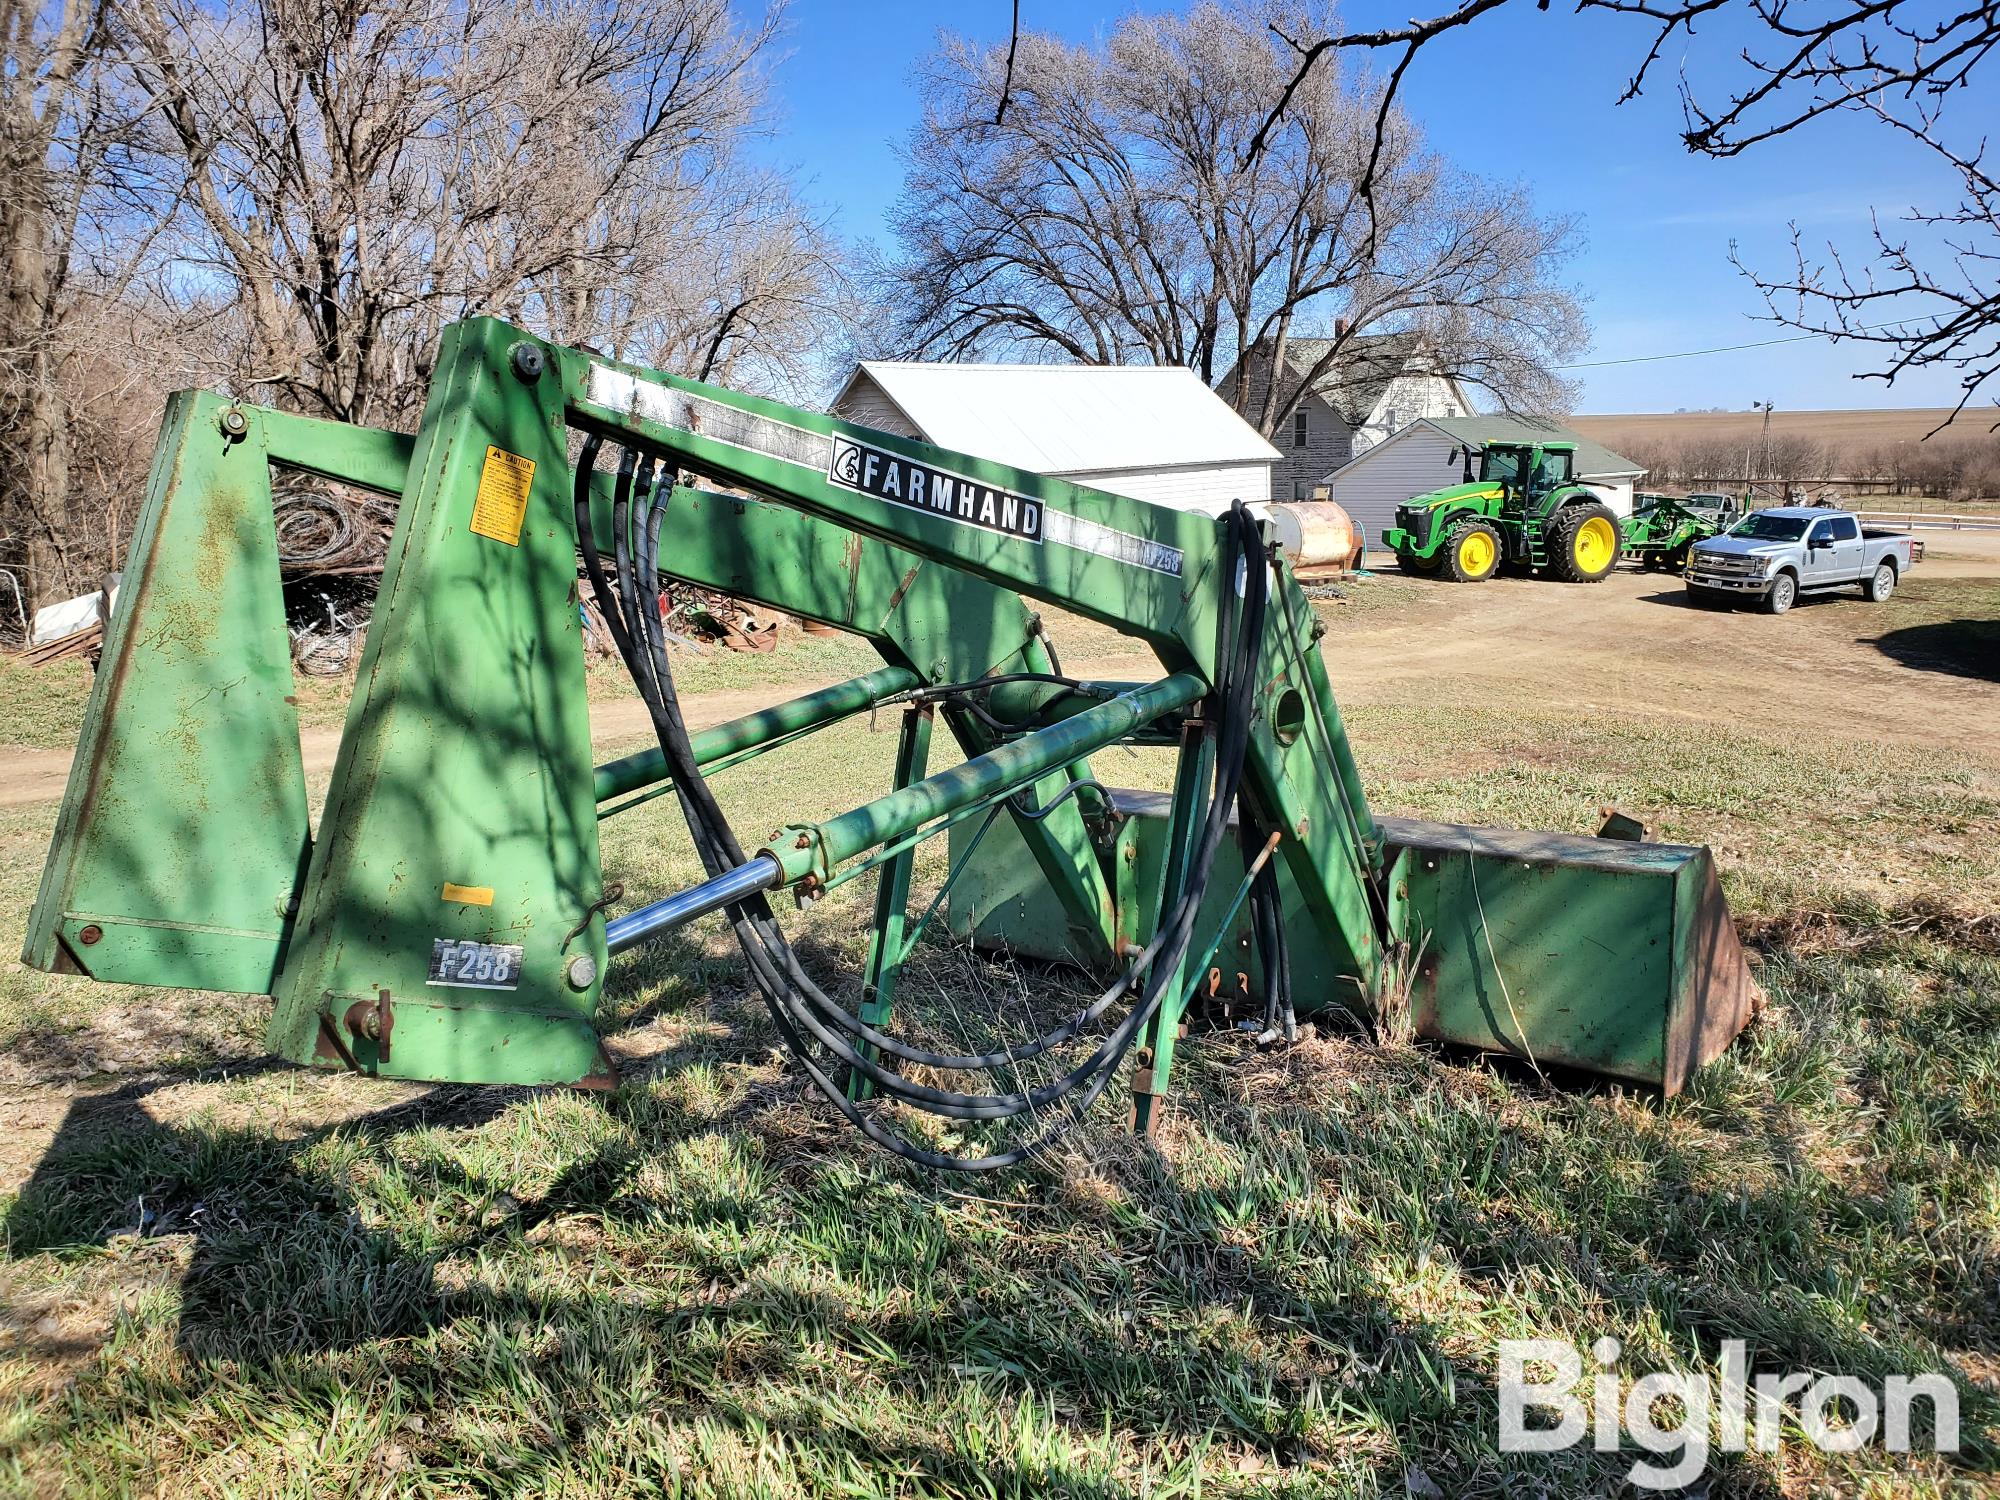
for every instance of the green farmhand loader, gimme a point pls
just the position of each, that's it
(447, 917)
(1662, 529)
(1523, 510)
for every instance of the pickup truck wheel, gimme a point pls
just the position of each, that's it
(1583, 542)
(1882, 585)
(1702, 598)
(1784, 591)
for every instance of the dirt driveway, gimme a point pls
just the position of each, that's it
(1833, 665)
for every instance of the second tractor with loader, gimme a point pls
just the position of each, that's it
(1663, 529)
(1524, 510)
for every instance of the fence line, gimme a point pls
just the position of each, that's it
(1934, 519)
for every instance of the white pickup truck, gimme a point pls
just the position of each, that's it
(1773, 556)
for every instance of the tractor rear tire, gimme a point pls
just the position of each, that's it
(1583, 543)
(1472, 552)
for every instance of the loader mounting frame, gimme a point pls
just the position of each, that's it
(445, 916)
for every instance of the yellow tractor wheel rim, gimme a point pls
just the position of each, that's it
(1475, 553)
(1596, 544)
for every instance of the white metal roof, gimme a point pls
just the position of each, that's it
(1070, 419)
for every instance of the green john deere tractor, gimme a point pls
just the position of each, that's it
(1524, 510)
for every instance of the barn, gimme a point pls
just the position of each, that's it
(1151, 432)
(1418, 459)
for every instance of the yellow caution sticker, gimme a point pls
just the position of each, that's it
(502, 503)
(469, 895)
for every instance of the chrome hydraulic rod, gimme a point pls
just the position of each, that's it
(753, 875)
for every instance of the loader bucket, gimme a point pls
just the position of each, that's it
(1606, 955)
(1609, 955)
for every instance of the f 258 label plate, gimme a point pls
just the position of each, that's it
(465, 964)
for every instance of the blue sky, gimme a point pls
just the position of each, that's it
(1523, 95)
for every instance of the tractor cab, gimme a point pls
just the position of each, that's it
(1527, 473)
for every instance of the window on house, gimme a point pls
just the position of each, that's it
(1299, 428)
(1393, 418)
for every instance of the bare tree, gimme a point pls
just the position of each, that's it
(1925, 292)
(66, 138)
(749, 292)
(1131, 205)
(364, 171)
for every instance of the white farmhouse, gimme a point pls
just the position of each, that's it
(1151, 432)
(1377, 384)
(1418, 458)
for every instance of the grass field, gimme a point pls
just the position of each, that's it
(227, 1279)
(42, 707)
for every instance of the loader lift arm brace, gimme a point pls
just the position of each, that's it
(446, 919)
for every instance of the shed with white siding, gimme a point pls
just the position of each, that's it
(1151, 432)
(1418, 459)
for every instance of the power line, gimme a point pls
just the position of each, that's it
(1796, 338)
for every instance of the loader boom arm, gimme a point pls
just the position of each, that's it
(446, 917)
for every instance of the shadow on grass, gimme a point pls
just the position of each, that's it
(1956, 648)
(1208, 1315)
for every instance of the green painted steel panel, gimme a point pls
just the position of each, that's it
(466, 759)
(1558, 949)
(182, 837)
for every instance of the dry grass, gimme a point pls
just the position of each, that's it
(222, 1279)
(1846, 429)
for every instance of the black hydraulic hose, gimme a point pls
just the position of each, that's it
(621, 543)
(771, 958)
(1177, 930)
(593, 567)
(1081, 784)
(1260, 910)
(998, 679)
